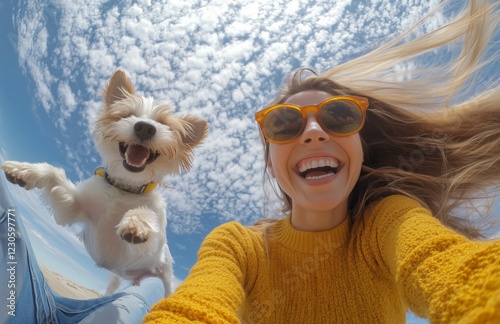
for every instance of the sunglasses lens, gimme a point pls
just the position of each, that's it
(282, 124)
(341, 116)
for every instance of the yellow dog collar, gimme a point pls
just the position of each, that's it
(148, 187)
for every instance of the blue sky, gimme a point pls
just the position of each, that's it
(220, 60)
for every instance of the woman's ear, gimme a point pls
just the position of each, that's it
(270, 167)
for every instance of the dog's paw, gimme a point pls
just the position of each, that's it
(133, 228)
(134, 238)
(20, 173)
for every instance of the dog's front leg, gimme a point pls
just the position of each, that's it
(33, 175)
(138, 225)
(56, 187)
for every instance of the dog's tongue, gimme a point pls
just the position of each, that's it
(137, 154)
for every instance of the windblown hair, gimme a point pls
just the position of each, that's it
(432, 133)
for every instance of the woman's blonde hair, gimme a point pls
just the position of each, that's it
(425, 136)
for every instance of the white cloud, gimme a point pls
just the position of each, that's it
(220, 60)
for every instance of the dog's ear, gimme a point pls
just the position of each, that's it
(196, 130)
(117, 88)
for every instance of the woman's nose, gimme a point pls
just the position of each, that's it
(313, 132)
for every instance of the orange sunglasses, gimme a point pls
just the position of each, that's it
(340, 115)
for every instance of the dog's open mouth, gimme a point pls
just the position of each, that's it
(136, 157)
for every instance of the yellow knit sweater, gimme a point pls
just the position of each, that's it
(398, 255)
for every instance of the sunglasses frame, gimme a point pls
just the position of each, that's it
(361, 102)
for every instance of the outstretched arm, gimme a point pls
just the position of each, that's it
(214, 290)
(440, 274)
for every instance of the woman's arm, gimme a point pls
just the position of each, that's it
(439, 273)
(214, 290)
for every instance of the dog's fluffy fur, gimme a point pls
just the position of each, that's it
(140, 141)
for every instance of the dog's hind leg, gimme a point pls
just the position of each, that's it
(114, 283)
(56, 187)
(167, 284)
(166, 273)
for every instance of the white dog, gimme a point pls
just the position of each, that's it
(124, 219)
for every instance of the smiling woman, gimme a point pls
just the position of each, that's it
(314, 208)
(367, 235)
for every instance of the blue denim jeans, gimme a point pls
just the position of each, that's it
(26, 298)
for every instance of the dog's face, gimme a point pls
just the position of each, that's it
(140, 140)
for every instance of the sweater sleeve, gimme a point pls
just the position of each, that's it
(213, 292)
(440, 274)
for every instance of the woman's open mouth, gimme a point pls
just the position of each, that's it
(318, 168)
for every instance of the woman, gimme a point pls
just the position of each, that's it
(371, 188)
